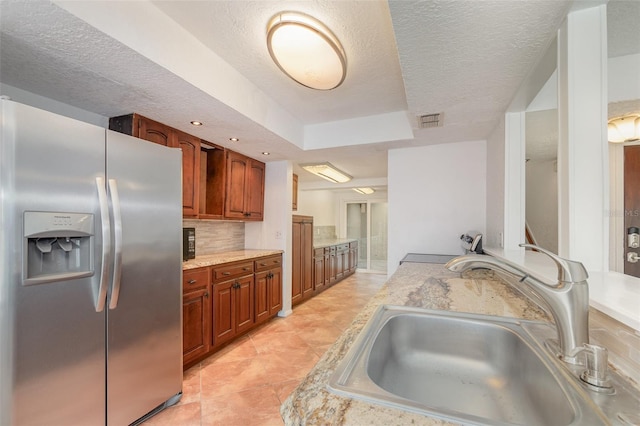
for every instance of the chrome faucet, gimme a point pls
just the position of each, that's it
(567, 300)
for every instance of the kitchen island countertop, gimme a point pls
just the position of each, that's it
(423, 285)
(226, 257)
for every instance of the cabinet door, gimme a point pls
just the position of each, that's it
(254, 202)
(196, 320)
(294, 202)
(275, 291)
(327, 268)
(262, 296)
(244, 295)
(190, 146)
(237, 167)
(307, 259)
(318, 272)
(223, 312)
(153, 131)
(244, 187)
(296, 263)
(333, 273)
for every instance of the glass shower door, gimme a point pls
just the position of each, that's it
(367, 222)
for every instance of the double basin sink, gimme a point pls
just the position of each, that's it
(475, 369)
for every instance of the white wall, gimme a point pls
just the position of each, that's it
(495, 186)
(436, 193)
(274, 232)
(321, 204)
(542, 202)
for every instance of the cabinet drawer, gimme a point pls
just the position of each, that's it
(319, 252)
(353, 244)
(194, 279)
(232, 270)
(268, 263)
(343, 247)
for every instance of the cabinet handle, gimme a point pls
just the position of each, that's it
(263, 264)
(192, 281)
(206, 295)
(247, 214)
(226, 273)
(245, 269)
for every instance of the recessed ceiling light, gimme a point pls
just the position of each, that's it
(234, 139)
(306, 50)
(196, 123)
(266, 153)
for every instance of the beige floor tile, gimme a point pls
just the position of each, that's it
(258, 407)
(292, 364)
(229, 377)
(268, 342)
(244, 383)
(183, 415)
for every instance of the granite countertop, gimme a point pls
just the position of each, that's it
(429, 286)
(326, 242)
(226, 257)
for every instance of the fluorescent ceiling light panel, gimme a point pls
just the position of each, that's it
(327, 171)
(364, 191)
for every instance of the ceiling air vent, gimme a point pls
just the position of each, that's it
(430, 120)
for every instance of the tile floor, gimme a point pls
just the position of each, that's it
(245, 383)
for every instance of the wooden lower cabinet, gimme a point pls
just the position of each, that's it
(302, 258)
(232, 308)
(196, 314)
(318, 269)
(268, 288)
(225, 301)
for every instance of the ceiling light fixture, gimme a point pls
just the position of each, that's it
(266, 153)
(327, 171)
(196, 123)
(624, 129)
(364, 191)
(306, 50)
(234, 139)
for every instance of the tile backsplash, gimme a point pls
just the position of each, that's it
(324, 232)
(216, 236)
(622, 343)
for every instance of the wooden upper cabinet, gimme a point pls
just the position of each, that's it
(190, 146)
(294, 203)
(216, 183)
(153, 131)
(244, 187)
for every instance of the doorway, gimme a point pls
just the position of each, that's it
(631, 209)
(367, 222)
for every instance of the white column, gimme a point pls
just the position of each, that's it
(582, 141)
(514, 181)
(274, 232)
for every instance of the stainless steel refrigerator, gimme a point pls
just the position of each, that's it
(90, 296)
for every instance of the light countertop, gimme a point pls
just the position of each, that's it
(226, 257)
(414, 284)
(326, 242)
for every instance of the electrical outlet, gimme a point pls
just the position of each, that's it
(278, 235)
(501, 239)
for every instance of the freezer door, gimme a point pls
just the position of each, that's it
(53, 340)
(144, 344)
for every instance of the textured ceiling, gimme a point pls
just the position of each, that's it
(463, 58)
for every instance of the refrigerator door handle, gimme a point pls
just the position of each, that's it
(101, 297)
(117, 232)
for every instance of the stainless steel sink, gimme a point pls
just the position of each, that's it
(469, 368)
